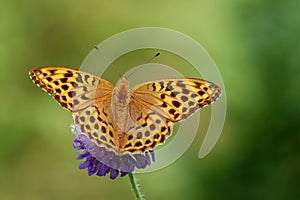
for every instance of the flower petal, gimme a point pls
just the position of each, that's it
(152, 155)
(123, 173)
(83, 155)
(141, 161)
(85, 164)
(103, 170)
(92, 169)
(77, 144)
(113, 173)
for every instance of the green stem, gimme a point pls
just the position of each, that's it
(135, 187)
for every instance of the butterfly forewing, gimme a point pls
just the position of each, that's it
(176, 99)
(72, 89)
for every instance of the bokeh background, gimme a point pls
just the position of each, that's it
(256, 47)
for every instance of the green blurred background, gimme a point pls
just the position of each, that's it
(256, 47)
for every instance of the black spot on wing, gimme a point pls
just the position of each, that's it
(164, 105)
(147, 133)
(172, 111)
(86, 77)
(138, 144)
(161, 85)
(130, 137)
(180, 84)
(84, 97)
(92, 119)
(103, 129)
(71, 94)
(103, 138)
(184, 98)
(154, 87)
(68, 74)
(176, 103)
(111, 133)
(65, 87)
(152, 127)
(49, 79)
(148, 142)
(156, 136)
(128, 145)
(64, 98)
(64, 80)
(185, 91)
(139, 135)
(201, 93)
(76, 102)
(58, 90)
(79, 78)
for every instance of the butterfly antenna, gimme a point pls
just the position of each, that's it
(106, 59)
(156, 55)
(149, 60)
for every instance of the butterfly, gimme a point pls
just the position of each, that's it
(120, 118)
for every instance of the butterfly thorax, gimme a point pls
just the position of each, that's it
(119, 104)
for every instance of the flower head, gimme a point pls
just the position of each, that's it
(101, 161)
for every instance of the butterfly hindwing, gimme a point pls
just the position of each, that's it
(149, 129)
(96, 122)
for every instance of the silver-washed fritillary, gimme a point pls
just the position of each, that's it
(122, 119)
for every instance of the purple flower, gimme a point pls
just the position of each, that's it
(101, 161)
